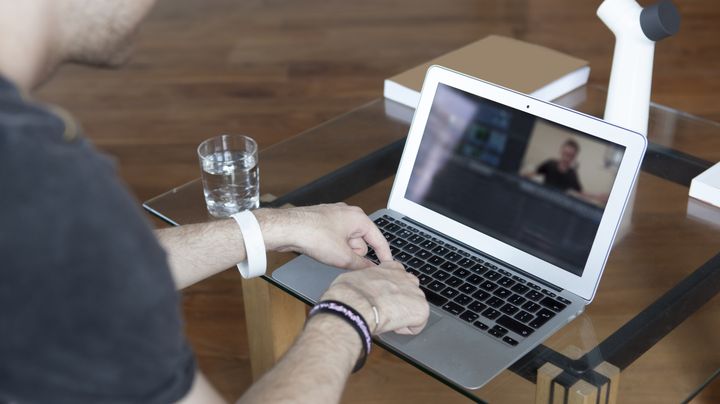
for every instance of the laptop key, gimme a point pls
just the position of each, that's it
(454, 281)
(467, 288)
(435, 260)
(524, 316)
(474, 279)
(449, 293)
(392, 228)
(481, 325)
(463, 299)
(433, 297)
(489, 286)
(491, 313)
(498, 331)
(521, 289)
(453, 308)
(509, 341)
(441, 275)
(448, 266)
(495, 301)
(389, 237)
(436, 286)
(534, 295)
(509, 309)
(413, 262)
(481, 295)
(477, 307)
(423, 254)
(427, 244)
(416, 239)
(515, 326)
(414, 272)
(505, 281)
(403, 257)
(469, 316)
(404, 233)
(398, 242)
(552, 304)
(428, 269)
(465, 263)
(453, 256)
(411, 248)
(564, 300)
(492, 275)
(502, 293)
(516, 299)
(534, 286)
(542, 317)
(532, 307)
(424, 279)
(380, 222)
(461, 272)
(549, 293)
(440, 250)
(478, 269)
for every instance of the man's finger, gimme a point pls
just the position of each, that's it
(392, 265)
(377, 242)
(359, 246)
(358, 262)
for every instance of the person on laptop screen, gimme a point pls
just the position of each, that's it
(560, 173)
(88, 305)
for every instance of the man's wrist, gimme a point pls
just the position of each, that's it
(277, 228)
(337, 333)
(353, 298)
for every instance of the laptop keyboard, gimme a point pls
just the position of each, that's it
(505, 306)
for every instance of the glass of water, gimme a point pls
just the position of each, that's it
(230, 174)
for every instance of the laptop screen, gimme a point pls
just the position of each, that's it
(528, 182)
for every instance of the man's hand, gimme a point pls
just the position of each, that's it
(396, 295)
(336, 234)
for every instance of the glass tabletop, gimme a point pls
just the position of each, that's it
(655, 313)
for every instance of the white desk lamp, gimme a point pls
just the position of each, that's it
(636, 30)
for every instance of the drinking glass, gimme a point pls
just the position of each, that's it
(230, 174)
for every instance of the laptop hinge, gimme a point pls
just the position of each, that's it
(490, 258)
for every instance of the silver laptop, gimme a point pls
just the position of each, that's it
(505, 207)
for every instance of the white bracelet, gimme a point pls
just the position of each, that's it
(255, 262)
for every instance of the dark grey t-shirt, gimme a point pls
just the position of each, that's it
(88, 308)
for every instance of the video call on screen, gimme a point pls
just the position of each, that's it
(528, 182)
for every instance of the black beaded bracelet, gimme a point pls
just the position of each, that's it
(351, 317)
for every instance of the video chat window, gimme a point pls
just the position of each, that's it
(528, 182)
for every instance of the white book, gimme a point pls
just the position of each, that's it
(532, 69)
(706, 186)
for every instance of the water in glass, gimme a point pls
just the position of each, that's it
(230, 182)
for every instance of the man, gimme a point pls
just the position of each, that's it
(88, 303)
(561, 173)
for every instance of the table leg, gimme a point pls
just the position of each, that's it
(274, 319)
(551, 390)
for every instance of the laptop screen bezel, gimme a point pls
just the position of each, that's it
(635, 144)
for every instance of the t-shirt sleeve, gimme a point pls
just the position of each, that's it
(88, 308)
(544, 168)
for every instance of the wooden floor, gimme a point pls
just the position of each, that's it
(271, 68)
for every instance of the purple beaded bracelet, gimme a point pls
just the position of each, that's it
(351, 317)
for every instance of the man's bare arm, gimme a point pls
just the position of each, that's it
(317, 366)
(334, 234)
